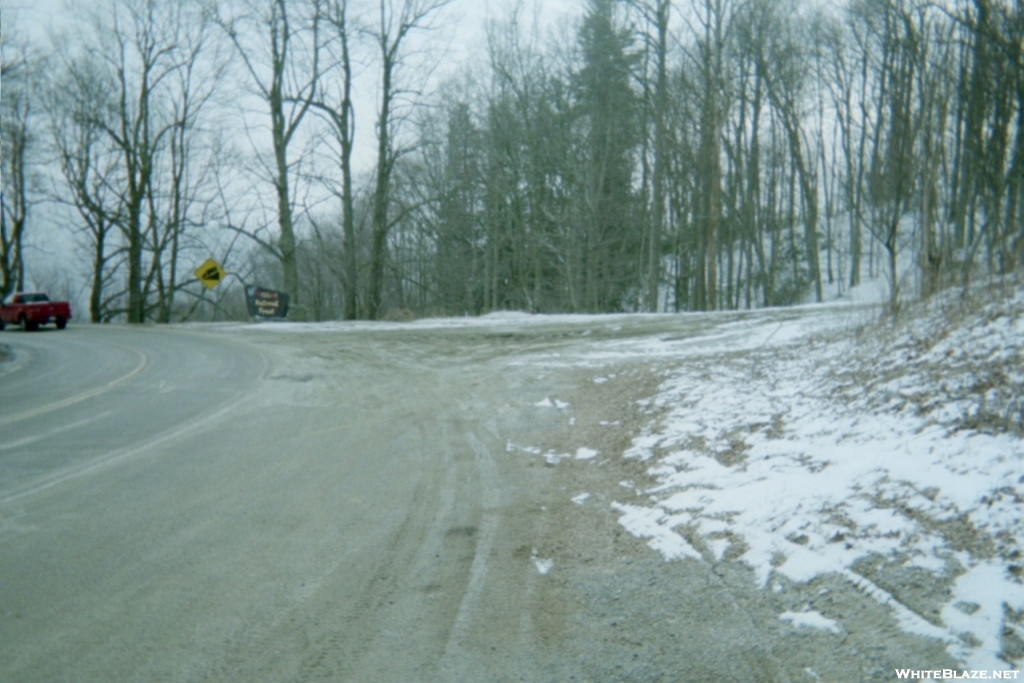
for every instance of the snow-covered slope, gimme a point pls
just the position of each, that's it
(890, 449)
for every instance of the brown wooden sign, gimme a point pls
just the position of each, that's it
(266, 303)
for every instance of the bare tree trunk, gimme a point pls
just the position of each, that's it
(287, 101)
(88, 168)
(13, 214)
(346, 124)
(710, 153)
(385, 161)
(98, 266)
(661, 152)
(894, 286)
(19, 70)
(394, 26)
(341, 116)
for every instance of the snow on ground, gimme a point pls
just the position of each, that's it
(543, 565)
(492, 321)
(811, 619)
(812, 455)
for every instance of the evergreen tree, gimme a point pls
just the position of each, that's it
(608, 111)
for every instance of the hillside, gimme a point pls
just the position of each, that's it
(885, 455)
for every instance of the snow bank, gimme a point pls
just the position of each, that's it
(812, 455)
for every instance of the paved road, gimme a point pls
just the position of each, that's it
(223, 504)
(75, 400)
(176, 505)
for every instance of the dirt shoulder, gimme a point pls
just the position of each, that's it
(637, 617)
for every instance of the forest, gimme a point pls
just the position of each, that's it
(643, 156)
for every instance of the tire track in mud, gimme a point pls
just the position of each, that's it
(490, 501)
(342, 633)
(590, 543)
(429, 595)
(413, 592)
(329, 633)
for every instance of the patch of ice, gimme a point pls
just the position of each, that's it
(543, 565)
(551, 403)
(581, 498)
(510, 447)
(586, 453)
(650, 523)
(553, 458)
(811, 619)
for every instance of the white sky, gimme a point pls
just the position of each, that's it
(460, 38)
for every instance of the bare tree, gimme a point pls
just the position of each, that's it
(787, 76)
(890, 181)
(90, 165)
(139, 46)
(847, 59)
(397, 20)
(125, 117)
(278, 42)
(341, 115)
(191, 160)
(656, 14)
(20, 67)
(990, 167)
(754, 33)
(709, 56)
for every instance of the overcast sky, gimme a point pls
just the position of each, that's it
(460, 38)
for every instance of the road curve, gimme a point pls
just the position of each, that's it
(367, 504)
(74, 399)
(176, 505)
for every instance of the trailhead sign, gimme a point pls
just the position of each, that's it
(266, 303)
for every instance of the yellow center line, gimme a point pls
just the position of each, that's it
(78, 398)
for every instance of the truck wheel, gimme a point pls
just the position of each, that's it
(1, 324)
(61, 323)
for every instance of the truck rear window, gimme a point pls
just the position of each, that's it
(37, 298)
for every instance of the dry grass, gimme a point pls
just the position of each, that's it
(955, 361)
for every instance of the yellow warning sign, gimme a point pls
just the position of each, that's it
(210, 273)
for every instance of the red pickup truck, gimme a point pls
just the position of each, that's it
(32, 309)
